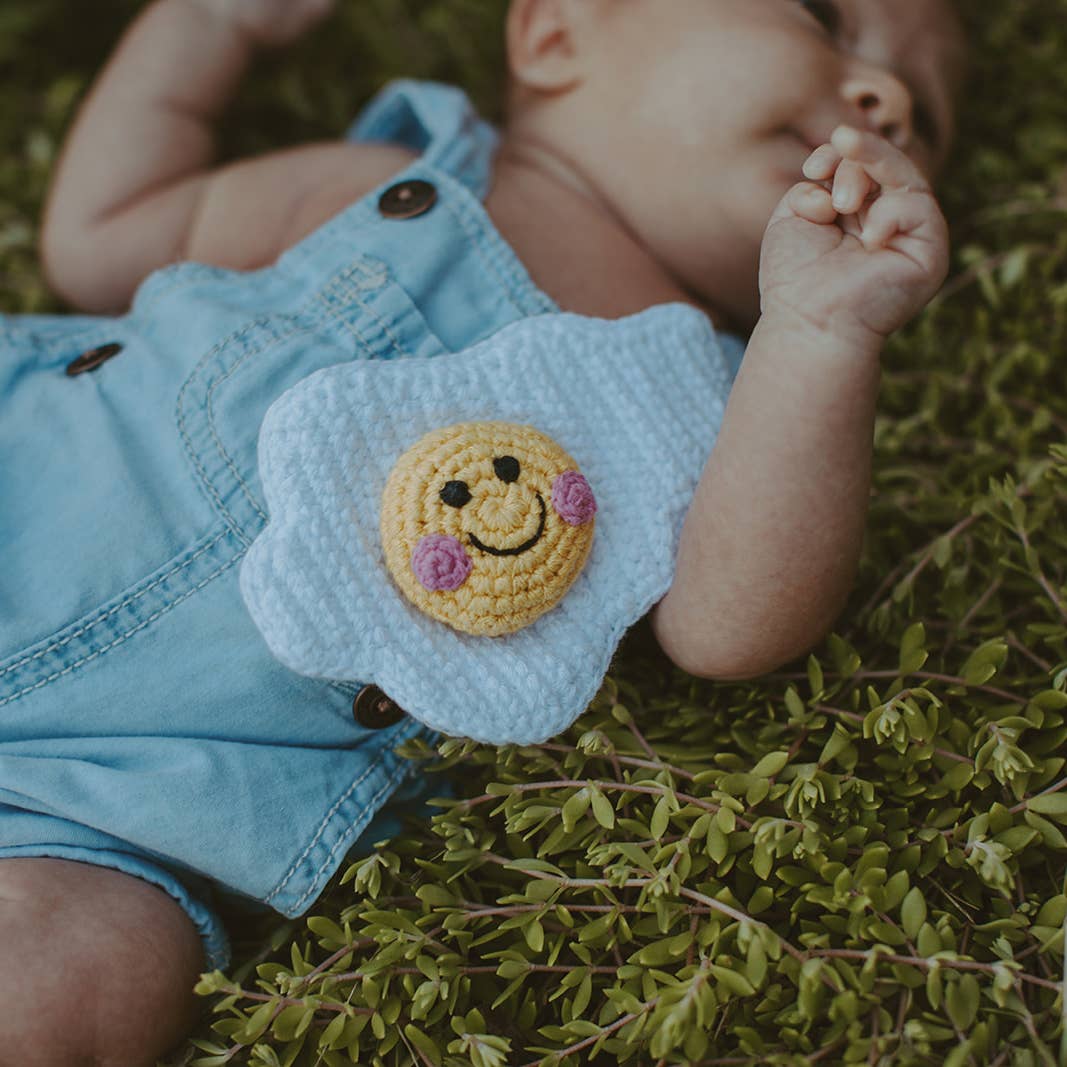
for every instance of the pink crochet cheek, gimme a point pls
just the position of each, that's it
(573, 499)
(440, 562)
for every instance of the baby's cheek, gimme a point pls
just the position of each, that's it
(572, 497)
(440, 562)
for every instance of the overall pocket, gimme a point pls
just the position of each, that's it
(128, 487)
(360, 313)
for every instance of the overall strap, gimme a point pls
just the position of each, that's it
(439, 122)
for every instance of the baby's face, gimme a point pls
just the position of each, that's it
(698, 114)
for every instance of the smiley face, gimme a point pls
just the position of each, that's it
(486, 525)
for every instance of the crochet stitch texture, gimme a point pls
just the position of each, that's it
(507, 484)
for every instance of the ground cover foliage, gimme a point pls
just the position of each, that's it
(858, 859)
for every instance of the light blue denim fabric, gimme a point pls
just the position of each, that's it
(144, 725)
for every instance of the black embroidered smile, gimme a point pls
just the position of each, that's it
(525, 546)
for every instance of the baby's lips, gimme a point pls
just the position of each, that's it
(572, 497)
(440, 562)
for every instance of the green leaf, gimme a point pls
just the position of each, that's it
(912, 648)
(770, 765)
(661, 818)
(718, 844)
(895, 890)
(575, 808)
(660, 952)
(603, 811)
(962, 1000)
(733, 981)
(435, 895)
(913, 912)
(839, 740)
(327, 929)
(534, 934)
(984, 662)
(762, 861)
(958, 777)
(935, 987)
(761, 900)
(426, 1046)
(1051, 837)
(334, 1029)
(1054, 805)
(795, 706)
(257, 1022)
(928, 942)
(815, 677)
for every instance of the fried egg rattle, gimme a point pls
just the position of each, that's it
(486, 525)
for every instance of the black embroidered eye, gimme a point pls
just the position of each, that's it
(826, 11)
(507, 468)
(455, 494)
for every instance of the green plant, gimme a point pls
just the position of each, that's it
(858, 859)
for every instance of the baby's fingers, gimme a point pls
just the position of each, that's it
(903, 214)
(822, 163)
(852, 184)
(886, 164)
(807, 201)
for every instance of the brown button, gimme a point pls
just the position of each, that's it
(91, 359)
(407, 199)
(374, 710)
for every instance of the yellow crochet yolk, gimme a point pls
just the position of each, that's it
(486, 525)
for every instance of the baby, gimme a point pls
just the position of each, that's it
(767, 162)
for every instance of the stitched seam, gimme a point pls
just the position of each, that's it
(326, 822)
(180, 412)
(318, 833)
(122, 637)
(335, 292)
(92, 622)
(476, 242)
(356, 333)
(210, 406)
(262, 321)
(387, 787)
(329, 295)
(341, 287)
(400, 350)
(361, 338)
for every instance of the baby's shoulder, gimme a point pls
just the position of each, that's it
(356, 170)
(255, 209)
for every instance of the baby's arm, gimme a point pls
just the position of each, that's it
(133, 177)
(773, 536)
(772, 540)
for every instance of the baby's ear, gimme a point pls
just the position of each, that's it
(541, 40)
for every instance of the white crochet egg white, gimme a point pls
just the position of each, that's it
(636, 401)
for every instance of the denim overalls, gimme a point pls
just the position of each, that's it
(144, 725)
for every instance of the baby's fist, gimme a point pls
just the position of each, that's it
(859, 247)
(270, 23)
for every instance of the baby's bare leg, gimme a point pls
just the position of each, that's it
(96, 967)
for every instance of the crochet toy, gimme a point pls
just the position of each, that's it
(473, 532)
(487, 478)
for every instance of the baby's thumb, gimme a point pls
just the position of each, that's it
(895, 211)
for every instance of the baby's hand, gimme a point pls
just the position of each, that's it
(858, 265)
(270, 23)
